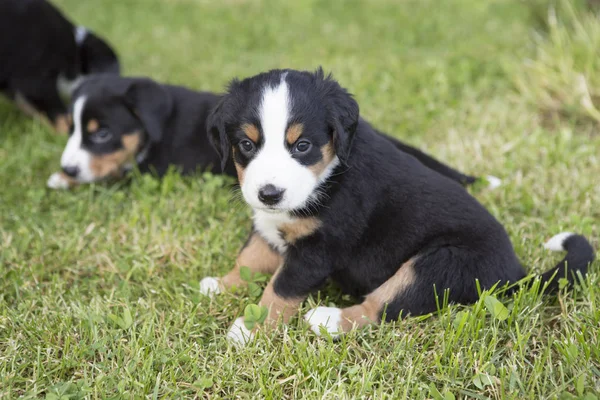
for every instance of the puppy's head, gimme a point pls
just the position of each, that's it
(286, 131)
(114, 121)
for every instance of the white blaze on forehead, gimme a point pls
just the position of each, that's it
(274, 114)
(74, 154)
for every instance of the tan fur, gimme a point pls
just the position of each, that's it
(327, 154)
(278, 306)
(368, 311)
(70, 181)
(256, 255)
(110, 164)
(293, 133)
(92, 126)
(299, 229)
(252, 132)
(62, 123)
(240, 172)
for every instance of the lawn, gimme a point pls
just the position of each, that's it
(99, 287)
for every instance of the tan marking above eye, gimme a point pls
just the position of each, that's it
(92, 125)
(327, 155)
(293, 133)
(252, 132)
(298, 229)
(111, 164)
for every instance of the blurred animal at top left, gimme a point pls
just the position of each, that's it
(43, 56)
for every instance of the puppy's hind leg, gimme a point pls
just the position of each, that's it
(337, 321)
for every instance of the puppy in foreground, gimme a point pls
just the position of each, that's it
(44, 55)
(332, 200)
(119, 122)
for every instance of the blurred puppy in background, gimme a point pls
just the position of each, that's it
(43, 56)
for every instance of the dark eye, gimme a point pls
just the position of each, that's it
(246, 146)
(302, 146)
(101, 136)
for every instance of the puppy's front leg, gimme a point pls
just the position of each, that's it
(284, 294)
(256, 255)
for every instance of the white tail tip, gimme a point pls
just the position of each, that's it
(556, 243)
(493, 182)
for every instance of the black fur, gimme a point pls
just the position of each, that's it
(37, 46)
(383, 208)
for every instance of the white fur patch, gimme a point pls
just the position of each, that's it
(74, 154)
(556, 243)
(493, 182)
(81, 33)
(56, 181)
(210, 286)
(238, 333)
(327, 317)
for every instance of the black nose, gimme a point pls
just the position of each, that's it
(71, 171)
(270, 195)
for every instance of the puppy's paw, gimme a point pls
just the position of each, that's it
(326, 317)
(493, 182)
(58, 181)
(238, 333)
(210, 286)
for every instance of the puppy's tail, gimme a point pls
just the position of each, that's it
(580, 254)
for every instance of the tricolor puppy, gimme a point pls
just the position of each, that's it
(332, 200)
(119, 122)
(43, 55)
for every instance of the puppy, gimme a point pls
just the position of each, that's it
(43, 55)
(121, 121)
(332, 200)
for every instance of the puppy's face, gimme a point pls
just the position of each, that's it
(105, 138)
(285, 136)
(114, 120)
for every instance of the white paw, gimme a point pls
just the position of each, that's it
(209, 286)
(556, 242)
(238, 333)
(327, 317)
(493, 182)
(57, 181)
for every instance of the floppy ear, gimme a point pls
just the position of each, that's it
(96, 55)
(343, 113)
(217, 134)
(152, 104)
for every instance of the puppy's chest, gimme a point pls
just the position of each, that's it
(281, 230)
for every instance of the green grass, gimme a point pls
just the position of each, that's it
(99, 286)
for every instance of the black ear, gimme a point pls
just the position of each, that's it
(343, 114)
(152, 103)
(96, 56)
(217, 133)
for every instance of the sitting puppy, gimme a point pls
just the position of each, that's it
(118, 121)
(43, 55)
(332, 200)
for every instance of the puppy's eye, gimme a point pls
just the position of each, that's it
(302, 146)
(101, 136)
(246, 146)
